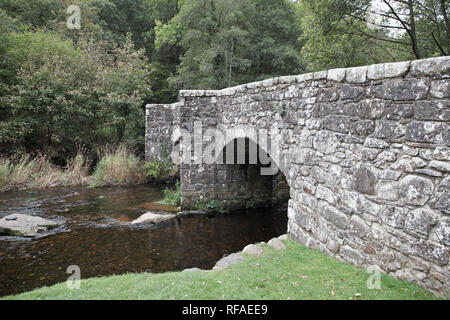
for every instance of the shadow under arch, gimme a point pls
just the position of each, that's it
(244, 180)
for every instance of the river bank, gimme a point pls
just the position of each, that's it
(293, 273)
(97, 235)
(115, 167)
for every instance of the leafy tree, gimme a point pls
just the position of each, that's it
(229, 42)
(66, 96)
(405, 29)
(324, 48)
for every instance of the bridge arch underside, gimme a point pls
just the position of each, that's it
(236, 179)
(366, 155)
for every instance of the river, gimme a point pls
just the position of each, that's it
(96, 235)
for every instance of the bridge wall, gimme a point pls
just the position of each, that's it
(366, 154)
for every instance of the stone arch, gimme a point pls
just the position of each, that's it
(242, 180)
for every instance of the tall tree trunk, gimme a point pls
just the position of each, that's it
(413, 33)
(231, 61)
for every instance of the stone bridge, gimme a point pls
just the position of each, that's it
(365, 153)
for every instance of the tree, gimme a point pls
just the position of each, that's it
(419, 28)
(64, 95)
(324, 47)
(229, 42)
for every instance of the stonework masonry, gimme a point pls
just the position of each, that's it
(365, 152)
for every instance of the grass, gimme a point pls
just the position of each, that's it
(26, 172)
(117, 167)
(294, 273)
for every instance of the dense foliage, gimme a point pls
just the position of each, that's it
(63, 88)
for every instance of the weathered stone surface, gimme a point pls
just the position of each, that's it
(253, 249)
(151, 217)
(333, 215)
(350, 92)
(362, 127)
(359, 226)
(433, 252)
(420, 221)
(276, 244)
(442, 233)
(442, 200)
(25, 225)
(364, 180)
(375, 143)
(428, 132)
(440, 88)
(365, 152)
(408, 164)
(432, 110)
(430, 67)
(228, 261)
(357, 74)
(337, 123)
(389, 131)
(387, 190)
(387, 70)
(394, 216)
(325, 194)
(416, 190)
(351, 255)
(400, 111)
(402, 89)
(337, 75)
(440, 165)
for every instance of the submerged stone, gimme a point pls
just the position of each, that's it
(151, 217)
(25, 225)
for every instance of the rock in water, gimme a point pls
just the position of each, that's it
(151, 217)
(25, 225)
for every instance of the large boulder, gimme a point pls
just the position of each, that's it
(25, 225)
(253, 249)
(151, 217)
(276, 244)
(228, 261)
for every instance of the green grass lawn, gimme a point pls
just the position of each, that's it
(294, 273)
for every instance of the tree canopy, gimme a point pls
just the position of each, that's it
(61, 88)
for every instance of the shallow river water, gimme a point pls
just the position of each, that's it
(96, 235)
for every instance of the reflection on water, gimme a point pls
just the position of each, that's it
(99, 239)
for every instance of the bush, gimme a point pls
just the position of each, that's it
(159, 170)
(209, 205)
(172, 197)
(117, 167)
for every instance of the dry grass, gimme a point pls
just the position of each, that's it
(117, 167)
(26, 172)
